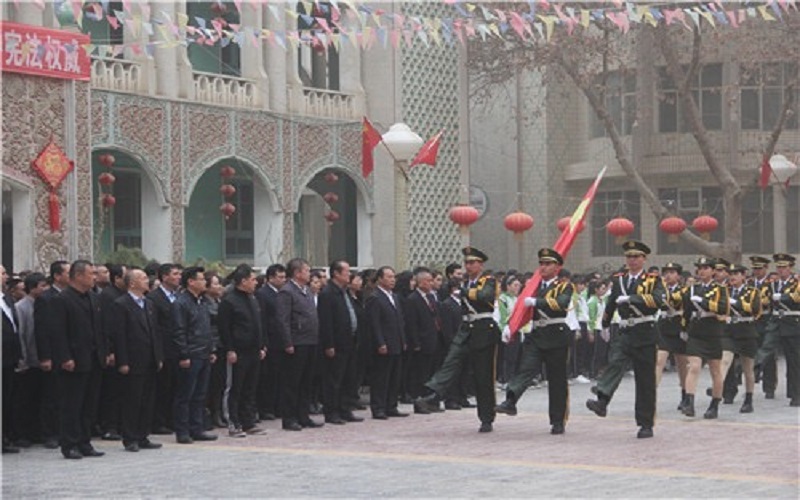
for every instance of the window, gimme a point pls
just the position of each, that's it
(706, 93)
(126, 224)
(239, 228)
(100, 30)
(317, 64)
(763, 93)
(609, 205)
(620, 102)
(224, 57)
(689, 204)
(758, 228)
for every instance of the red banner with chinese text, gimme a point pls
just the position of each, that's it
(34, 50)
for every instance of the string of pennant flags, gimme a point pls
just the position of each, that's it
(324, 25)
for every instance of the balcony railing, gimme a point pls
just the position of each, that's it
(225, 90)
(119, 75)
(325, 103)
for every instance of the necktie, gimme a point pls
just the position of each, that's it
(432, 306)
(351, 312)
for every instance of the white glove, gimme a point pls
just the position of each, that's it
(506, 335)
(776, 297)
(605, 335)
(734, 302)
(684, 336)
(530, 302)
(623, 299)
(697, 299)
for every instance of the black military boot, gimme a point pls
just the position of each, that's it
(600, 405)
(429, 403)
(509, 406)
(688, 407)
(747, 406)
(713, 409)
(682, 404)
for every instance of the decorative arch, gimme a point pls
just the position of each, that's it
(146, 164)
(270, 186)
(359, 181)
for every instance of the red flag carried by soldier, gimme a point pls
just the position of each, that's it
(428, 152)
(522, 314)
(370, 138)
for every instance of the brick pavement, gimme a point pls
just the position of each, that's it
(753, 455)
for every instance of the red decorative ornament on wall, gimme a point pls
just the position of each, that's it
(330, 198)
(705, 225)
(53, 166)
(107, 160)
(563, 224)
(108, 200)
(227, 209)
(672, 226)
(464, 216)
(620, 228)
(227, 190)
(226, 172)
(331, 178)
(106, 179)
(518, 223)
(332, 216)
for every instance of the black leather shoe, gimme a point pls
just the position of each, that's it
(349, 417)
(292, 426)
(72, 454)
(396, 413)
(506, 407)
(91, 452)
(486, 427)
(645, 432)
(557, 429)
(146, 444)
(599, 407)
(134, 447)
(429, 403)
(310, 424)
(380, 416)
(451, 405)
(334, 421)
(111, 436)
(711, 413)
(184, 440)
(204, 436)
(746, 408)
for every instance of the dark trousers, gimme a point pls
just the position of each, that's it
(166, 382)
(338, 381)
(139, 396)
(419, 372)
(618, 365)
(191, 386)
(239, 402)
(384, 388)
(9, 433)
(733, 378)
(79, 394)
(511, 361)
(769, 364)
(296, 373)
(554, 360)
(216, 385)
(584, 352)
(268, 394)
(599, 355)
(111, 389)
(791, 349)
(27, 407)
(625, 351)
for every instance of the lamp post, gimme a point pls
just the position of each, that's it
(402, 144)
(782, 171)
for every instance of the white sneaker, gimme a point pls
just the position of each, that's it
(580, 379)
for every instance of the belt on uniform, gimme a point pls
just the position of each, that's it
(629, 322)
(475, 317)
(740, 319)
(551, 321)
(786, 313)
(672, 314)
(703, 314)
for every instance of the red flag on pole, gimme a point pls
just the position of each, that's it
(766, 171)
(428, 152)
(370, 138)
(522, 314)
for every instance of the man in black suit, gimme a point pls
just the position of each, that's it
(80, 352)
(139, 356)
(387, 325)
(111, 387)
(163, 297)
(299, 330)
(452, 317)
(423, 326)
(337, 329)
(42, 331)
(12, 354)
(268, 394)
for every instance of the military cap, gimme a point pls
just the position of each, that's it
(472, 253)
(672, 266)
(757, 262)
(633, 247)
(550, 255)
(705, 262)
(783, 259)
(737, 268)
(721, 264)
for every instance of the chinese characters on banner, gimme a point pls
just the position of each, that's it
(46, 52)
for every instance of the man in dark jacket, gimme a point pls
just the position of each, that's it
(299, 331)
(193, 344)
(12, 353)
(267, 295)
(423, 326)
(386, 321)
(239, 323)
(163, 298)
(337, 329)
(111, 386)
(139, 356)
(80, 352)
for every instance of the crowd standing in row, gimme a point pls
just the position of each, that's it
(122, 353)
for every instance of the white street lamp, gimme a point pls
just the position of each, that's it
(782, 171)
(402, 144)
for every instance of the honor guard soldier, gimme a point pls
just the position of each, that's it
(671, 334)
(740, 336)
(637, 296)
(784, 326)
(705, 308)
(548, 343)
(476, 342)
(767, 372)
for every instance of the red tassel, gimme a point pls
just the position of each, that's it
(55, 212)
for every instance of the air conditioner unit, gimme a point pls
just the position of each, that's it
(690, 199)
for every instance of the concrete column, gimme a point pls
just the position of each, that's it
(779, 217)
(166, 59)
(252, 57)
(276, 60)
(401, 215)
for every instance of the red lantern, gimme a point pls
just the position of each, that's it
(518, 223)
(673, 226)
(106, 179)
(107, 160)
(227, 190)
(563, 224)
(108, 200)
(464, 216)
(620, 228)
(227, 209)
(330, 198)
(705, 225)
(219, 9)
(332, 216)
(227, 172)
(331, 178)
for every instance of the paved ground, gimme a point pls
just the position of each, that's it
(753, 456)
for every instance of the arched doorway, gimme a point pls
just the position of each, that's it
(252, 234)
